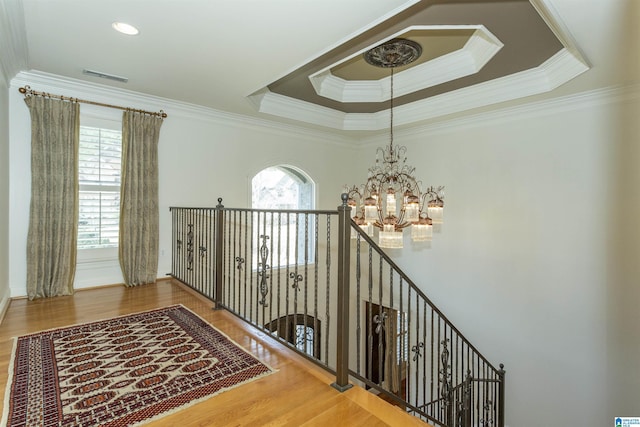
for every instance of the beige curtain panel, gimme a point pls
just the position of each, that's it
(139, 223)
(53, 214)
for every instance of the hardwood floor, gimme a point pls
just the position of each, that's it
(299, 394)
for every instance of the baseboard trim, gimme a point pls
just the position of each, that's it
(110, 285)
(4, 306)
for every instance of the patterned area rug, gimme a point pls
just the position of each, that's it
(122, 371)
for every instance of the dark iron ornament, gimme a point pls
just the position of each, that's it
(263, 271)
(445, 375)
(379, 321)
(190, 247)
(417, 350)
(296, 278)
(487, 421)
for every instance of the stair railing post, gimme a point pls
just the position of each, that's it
(344, 256)
(501, 396)
(219, 252)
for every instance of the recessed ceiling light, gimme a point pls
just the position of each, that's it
(125, 28)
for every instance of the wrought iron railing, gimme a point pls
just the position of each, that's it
(313, 280)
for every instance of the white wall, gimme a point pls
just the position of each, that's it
(537, 262)
(4, 194)
(203, 155)
(538, 259)
(9, 61)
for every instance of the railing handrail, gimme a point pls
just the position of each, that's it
(413, 286)
(209, 208)
(288, 211)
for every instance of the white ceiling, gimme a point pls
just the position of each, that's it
(216, 53)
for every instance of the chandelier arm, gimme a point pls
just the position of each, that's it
(422, 203)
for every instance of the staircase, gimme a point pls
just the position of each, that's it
(316, 282)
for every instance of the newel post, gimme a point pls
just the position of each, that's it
(501, 396)
(344, 246)
(218, 254)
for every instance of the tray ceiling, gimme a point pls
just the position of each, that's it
(480, 51)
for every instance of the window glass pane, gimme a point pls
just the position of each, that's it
(283, 187)
(100, 155)
(98, 219)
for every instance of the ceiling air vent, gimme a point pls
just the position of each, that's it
(105, 75)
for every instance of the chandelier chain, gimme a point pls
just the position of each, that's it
(391, 114)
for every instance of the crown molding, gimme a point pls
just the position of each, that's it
(557, 70)
(471, 58)
(13, 39)
(560, 68)
(573, 102)
(269, 102)
(552, 18)
(48, 82)
(559, 105)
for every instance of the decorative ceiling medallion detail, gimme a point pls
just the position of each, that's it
(392, 54)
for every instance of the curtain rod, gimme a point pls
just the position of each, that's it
(27, 91)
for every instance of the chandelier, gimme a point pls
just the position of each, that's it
(391, 199)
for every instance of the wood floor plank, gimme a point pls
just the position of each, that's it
(299, 394)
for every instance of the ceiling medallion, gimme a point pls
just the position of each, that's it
(394, 53)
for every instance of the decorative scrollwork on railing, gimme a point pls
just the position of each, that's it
(445, 375)
(487, 420)
(379, 320)
(239, 263)
(190, 247)
(263, 271)
(417, 350)
(203, 251)
(296, 278)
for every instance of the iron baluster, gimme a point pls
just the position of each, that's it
(445, 388)
(190, 247)
(263, 270)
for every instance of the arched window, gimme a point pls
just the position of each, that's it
(285, 188)
(282, 187)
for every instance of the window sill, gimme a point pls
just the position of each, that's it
(97, 256)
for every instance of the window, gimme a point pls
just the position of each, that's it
(284, 187)
(99, 161)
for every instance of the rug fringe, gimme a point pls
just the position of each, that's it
(7, 390)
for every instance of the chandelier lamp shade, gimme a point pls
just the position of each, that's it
(392, 198)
